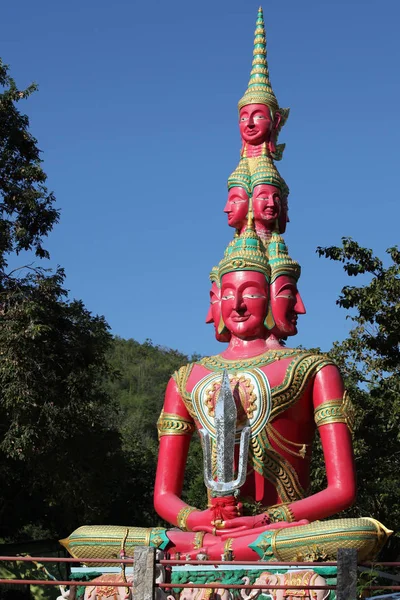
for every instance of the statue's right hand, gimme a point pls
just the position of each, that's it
(199, 519)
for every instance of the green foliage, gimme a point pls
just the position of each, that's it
(55, 436)
(370, 362)
(144, 373)
(57, 441)
(26, 208)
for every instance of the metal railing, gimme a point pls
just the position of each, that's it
(144, 584)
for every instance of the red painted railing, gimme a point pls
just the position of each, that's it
(169, 563)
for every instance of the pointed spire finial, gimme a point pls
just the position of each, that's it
(259, 89)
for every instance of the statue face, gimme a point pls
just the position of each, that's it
(237, 207)
(255, 124)
(266, 204)
(214, 313)
(244, 303)
(286, 304)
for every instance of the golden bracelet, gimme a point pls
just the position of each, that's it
(183, 516)
(280, 512)
(198, 539)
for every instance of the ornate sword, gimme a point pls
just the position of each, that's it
(225, 432)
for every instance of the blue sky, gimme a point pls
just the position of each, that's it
(137, 119)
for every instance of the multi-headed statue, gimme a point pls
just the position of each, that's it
(282, 395)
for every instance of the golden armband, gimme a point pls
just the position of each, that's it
(280, 512)
(171, 424)
(183, 516)
(339, 410)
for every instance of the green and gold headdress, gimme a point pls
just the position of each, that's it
(279, 259)
(246, 253)
(266, 173)
(241, 177)
(214, 275)
(259, 89)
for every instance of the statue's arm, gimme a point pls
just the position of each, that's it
(172, 455)
(337, 447)
(175, 428)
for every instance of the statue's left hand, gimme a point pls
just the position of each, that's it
(248, 522)
(235, 525)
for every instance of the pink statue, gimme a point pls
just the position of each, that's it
(280, 466)
(260, 117)
(239, 191)
(269, 199)
(258, 129)
(282, 395)
(286, 302)
(214, 311)
(236, 207)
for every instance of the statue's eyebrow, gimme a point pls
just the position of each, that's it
(287, 285)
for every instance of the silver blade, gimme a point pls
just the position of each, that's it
(225, 429)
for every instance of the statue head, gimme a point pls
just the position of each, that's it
(269, 197)
(244, 275)
(267, 206)
(237, 207)
(244, 303)
(286, 302)
(257, 125)
(286, 305)
(260, 117)
(214, 311)
(239, 186)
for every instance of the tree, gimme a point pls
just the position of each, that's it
(144, 373)
(61, 461)
(370, 361)
(27, 213)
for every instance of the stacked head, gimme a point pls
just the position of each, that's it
(244, 275)
(254, 293)
(269, 197)
(269, 194)
(239, 192)
(260, 117)
(254, 288)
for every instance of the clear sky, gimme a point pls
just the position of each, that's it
(137, 119)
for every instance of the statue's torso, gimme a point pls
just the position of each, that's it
(273, 394)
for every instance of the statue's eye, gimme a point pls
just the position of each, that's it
(227, 297)
(253, 296)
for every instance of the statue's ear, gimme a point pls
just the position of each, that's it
(274, 133)
(221, 326)
(269, 319)
(277, 120)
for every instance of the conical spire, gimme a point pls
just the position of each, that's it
(245, 253)
(279, 259)
(266, 173)
(241, 177)
(259, 89)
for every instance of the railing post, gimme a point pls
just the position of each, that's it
(143, 573)
(346, 574)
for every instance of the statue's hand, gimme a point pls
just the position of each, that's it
(199, 520)
(248, 522)
(226, 508)
(213, 518)
(235, 525)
